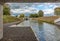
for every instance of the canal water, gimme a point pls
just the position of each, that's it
(43, 31)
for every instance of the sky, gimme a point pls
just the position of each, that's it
(28, 8)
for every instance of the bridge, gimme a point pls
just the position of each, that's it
(19, 1)
(57, 21)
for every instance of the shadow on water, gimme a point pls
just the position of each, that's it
(58, 26)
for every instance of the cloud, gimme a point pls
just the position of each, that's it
(48, 11)
(48, 8)
(28, 10)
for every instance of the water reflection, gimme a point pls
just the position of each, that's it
(41, 31)
(49, 32)
(45, 31)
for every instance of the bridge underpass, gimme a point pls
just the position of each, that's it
(13, 1)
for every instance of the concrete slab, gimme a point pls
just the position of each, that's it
(18, 34)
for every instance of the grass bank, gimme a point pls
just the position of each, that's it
(9, 19)
(47, 19)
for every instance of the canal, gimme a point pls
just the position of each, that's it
(43, 31)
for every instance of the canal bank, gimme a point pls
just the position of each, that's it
(18, 33)
(25, 23)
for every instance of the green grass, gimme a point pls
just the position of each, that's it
(47, 19)
(9, 19)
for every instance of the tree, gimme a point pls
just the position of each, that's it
(33, 15)
(40, 13)
(6, 10)
(22, 15)
(57, 11)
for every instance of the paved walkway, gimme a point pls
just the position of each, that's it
(23, 24)
(17, 33)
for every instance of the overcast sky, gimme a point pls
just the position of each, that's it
(48, 8)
